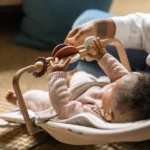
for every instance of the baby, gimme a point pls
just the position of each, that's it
(125, 98)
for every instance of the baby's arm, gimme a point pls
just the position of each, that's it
(60, 96)
(111, 66)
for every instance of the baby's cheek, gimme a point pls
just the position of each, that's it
(107, 98)
(105, 104)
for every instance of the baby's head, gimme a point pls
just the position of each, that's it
(129, 99)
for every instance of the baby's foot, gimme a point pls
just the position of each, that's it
(11, 97)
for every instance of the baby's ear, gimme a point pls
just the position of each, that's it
(109, 115)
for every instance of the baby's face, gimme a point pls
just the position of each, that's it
(109, 102)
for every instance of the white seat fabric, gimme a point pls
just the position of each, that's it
(87, 129)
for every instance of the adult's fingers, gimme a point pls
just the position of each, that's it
(77, 37)
(77, 40)
(71, 34)
(73, 40)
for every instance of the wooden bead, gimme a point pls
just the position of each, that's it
(39, 66)
(58, 47)
(87, 42)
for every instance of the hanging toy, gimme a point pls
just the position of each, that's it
(43, 65)
(63, 51)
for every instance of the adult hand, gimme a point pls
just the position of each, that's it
(77, 36)
(103, 28)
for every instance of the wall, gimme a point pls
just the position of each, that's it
(123, 7)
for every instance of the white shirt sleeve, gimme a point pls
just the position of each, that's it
(133, 30)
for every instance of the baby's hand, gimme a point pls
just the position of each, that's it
(59, 65)
(96, 50)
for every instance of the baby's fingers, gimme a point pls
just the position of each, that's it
(49, 68)
(61, 61)
(92, 50)
(56, 60)
(51, 63)
(99, 42)
(96, 44)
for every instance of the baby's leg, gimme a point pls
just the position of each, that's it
(80, 78)
(35, 100)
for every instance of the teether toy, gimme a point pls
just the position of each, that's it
(63, 51)
(87, 42)
(43, 64)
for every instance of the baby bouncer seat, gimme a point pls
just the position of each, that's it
(84, 128)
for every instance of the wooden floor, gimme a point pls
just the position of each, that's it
(124, 7)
